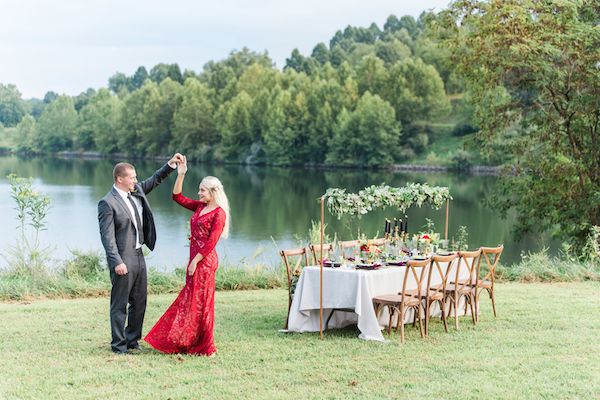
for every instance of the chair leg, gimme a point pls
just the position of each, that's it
(444, 318)
(391, 311)
(287, 319)
(477, 306)
(401, 322)
(329, 318)
(456, 298)
(493, 301)
(472, 307)
(427, 316)
(423, 334)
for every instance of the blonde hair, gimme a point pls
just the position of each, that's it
(215, 187)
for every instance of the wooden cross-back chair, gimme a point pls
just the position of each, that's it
(442, 265)
(462, 286)
(491, 255)
(315, 249)
(348, 244)
(399, 303)
(293, 259)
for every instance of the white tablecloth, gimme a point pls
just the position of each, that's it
(350, 289)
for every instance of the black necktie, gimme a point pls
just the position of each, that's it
(138, 221)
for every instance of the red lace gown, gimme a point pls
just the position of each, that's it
(187, 325)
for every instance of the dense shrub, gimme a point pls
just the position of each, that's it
(464, 129)
(461, 161)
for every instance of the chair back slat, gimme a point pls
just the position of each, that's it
(315, 249)
(491, 256)
(348, 244)
(298, 256)
(469, 260)
(443, 266)
(417, 269)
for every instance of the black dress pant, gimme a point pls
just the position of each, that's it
(129, 289)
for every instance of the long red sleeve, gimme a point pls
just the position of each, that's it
(186, 202)
(218, 223)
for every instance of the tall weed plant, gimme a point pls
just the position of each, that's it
(27, 257)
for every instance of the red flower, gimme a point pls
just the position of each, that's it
(364, 247)
(426, 237)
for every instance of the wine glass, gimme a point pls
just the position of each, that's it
(443, 246)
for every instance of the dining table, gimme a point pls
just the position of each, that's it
(348, 294)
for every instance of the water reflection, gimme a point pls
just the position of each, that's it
(270, 207)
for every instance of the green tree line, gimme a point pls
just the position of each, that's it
(363, 100)
(530, 70)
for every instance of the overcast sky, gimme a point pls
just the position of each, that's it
(70, 45)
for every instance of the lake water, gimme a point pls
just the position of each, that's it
(271, 208)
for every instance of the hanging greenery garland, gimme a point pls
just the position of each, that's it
(341, 203)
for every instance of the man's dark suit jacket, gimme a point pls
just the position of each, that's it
(116, 222)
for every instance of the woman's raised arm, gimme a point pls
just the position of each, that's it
(178, 188)
(181, 170)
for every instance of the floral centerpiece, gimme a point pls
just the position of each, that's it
(427, 241)
(368, 251)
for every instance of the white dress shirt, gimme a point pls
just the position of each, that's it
(138, 205)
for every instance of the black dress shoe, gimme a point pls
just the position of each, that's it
(119, 352)
(135, 350)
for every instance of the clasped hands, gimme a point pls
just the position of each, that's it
(176, 160)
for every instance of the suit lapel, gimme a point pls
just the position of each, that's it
(121, 202)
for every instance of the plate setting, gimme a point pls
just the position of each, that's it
(396, 263)
(331, 264)
(367, 266)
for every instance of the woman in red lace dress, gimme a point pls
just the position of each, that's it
(187, 325)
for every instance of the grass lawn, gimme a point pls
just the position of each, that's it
(544, 344)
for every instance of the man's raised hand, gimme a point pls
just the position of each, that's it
(175, 160)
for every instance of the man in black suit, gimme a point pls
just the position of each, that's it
(126, 222)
